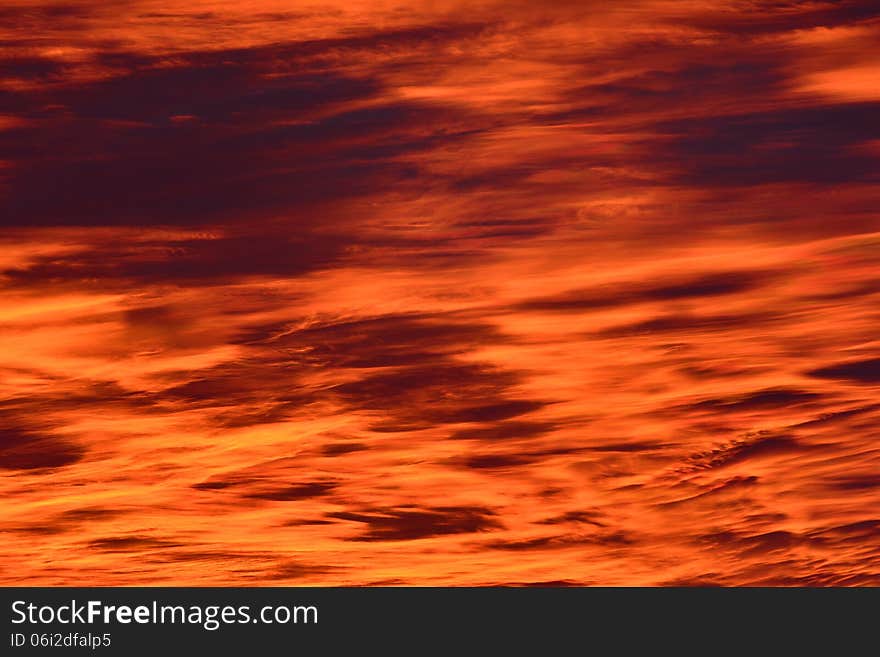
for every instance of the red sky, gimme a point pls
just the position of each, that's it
(439, 293)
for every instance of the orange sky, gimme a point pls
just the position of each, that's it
(439, 293)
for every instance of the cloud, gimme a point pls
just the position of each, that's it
(769, 399)
(685, 323)
(768, 16)
(755, 544)
(608, 539)
(747, 449)
(711, 284)
(861, 371)
(444, 393)
(407, 524)
(184, 262)
(511, 458)
(295, 492)
(341, 449)
(214, 136)
(23, 449)
(385, 341)
(505, 430)
(131, 543)
(789, 145)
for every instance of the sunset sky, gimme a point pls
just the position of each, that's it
(439, 293)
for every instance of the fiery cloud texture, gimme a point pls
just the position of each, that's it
(439, 293)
